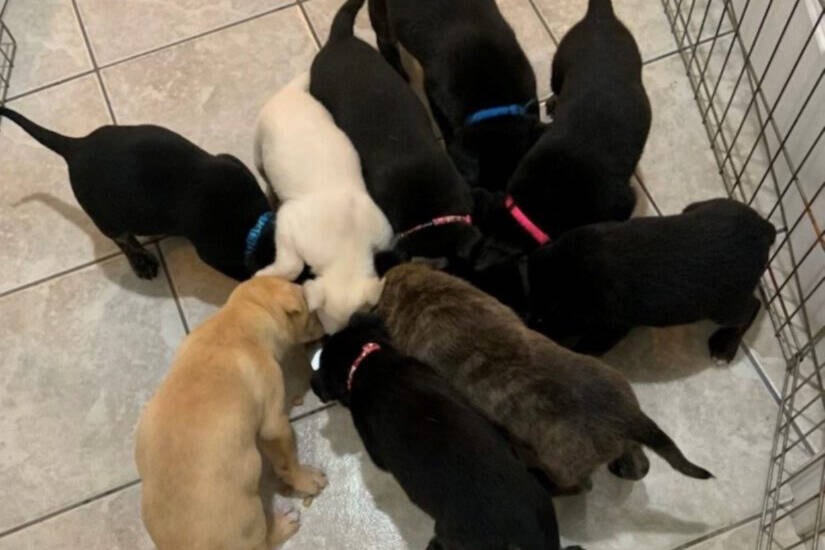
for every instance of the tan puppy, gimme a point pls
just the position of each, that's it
(198, 438)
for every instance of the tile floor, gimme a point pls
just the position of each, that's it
(85, 343)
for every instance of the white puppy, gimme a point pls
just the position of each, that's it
(326, 220)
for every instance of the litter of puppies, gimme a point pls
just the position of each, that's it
(464, 290)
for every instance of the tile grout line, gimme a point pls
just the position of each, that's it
(170, 282)
(68, 508)
(79, 267)
(544, 22)
(148, 52)
(92, 57)
(718, 532)
(308, 23)
(127, 485)
(59, 274)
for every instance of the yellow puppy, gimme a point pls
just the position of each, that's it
(198, 438)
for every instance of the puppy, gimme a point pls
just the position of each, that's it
(480, 85)
(569, 412)
(407, 172)
(147, 180)
(601, 280)
(578, 171)
(449, 459)
(196, 441)
(326, 219)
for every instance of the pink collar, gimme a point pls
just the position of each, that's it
(366, 349)
(442, 220)
(518, 214)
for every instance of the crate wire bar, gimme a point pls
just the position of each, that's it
(8, 47)
(756, 68)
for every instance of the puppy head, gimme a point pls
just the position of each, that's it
(329, 382)
(285, 302)
(453, 244)
(335, 299)
(488, 152)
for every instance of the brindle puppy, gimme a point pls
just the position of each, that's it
(570, 412)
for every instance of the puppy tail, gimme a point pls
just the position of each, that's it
(58, 143)
(600, 7)
(646, 432)
(345, 20)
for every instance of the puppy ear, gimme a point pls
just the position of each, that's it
(439, 264)
(314, 294)
(292, 300)
(388, 259)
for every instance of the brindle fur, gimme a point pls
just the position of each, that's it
(572, 412)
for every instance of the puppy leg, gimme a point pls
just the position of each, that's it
(143, 263)
(633, 464)
(280, 449)
(384, 37)
(283, 526)
(724, 343)
(288, 264)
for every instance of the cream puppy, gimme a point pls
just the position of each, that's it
(327, 220)
(200, 438)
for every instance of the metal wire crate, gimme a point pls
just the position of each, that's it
(8, 47)
(756, 68)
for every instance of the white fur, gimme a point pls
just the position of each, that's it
(326, 220)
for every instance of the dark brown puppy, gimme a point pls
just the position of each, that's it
(569, 412)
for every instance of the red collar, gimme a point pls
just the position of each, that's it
(441, 220)
(366, 349)
(521, 218)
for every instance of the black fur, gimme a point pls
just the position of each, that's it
(471, 61)
(450, 461)
(599, 281)
(147, 180)
(578, 171)
(407, 172)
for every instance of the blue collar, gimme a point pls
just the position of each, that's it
(254, 234)
(497, 112)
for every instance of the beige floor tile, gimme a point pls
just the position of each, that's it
(678, 167)
(50, 44)
(81, 354)
(533, 38)
(645, 18)
(119, 29)
(362, 507)
(111, 523)
(211, 89)
(721, 418)
(43, 228)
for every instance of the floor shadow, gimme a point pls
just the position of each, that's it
(388, 496)
(75, 215)
(585, 519)
(650, 354)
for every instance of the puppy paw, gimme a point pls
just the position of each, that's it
(145, 266)
(723, 345)
(308, 481)
(285, 524)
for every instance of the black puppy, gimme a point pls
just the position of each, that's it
(578, 171)
(479, 82)
(407, 172)
(450, 460)
(601, 280)
(147, 180)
